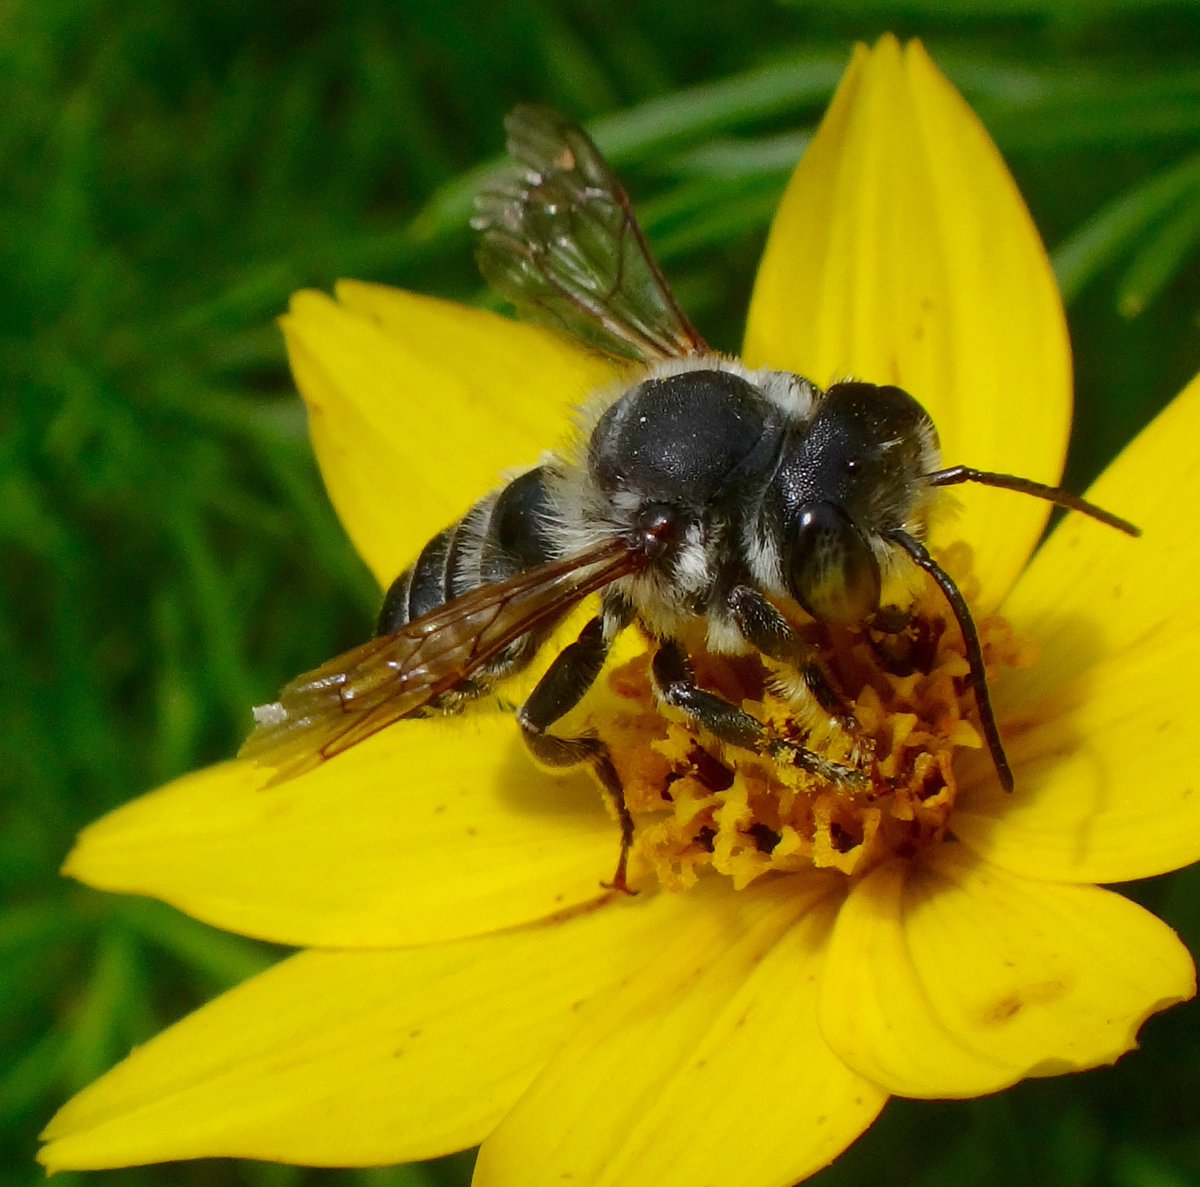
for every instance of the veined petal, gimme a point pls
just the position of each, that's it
(418, 406)
(704, 1067)
(958, 978)
(1103, 730)
(359, 1058)
(428, 831)
(902, 253)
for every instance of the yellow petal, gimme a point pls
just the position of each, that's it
(902, 253)
(429, 830)
(705, 1067)
(358, 1058)
(418, 406)
(959, 978)
(1103, 731)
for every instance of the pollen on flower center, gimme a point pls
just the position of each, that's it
(853, 796)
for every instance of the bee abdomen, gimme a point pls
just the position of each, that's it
(421, 587)
(506, 533)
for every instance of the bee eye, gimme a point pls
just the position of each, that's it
(834, 574)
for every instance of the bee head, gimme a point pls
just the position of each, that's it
(853, 474)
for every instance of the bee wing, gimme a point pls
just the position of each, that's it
(356, 694)
(558, 238)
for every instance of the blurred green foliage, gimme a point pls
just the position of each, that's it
(173, 170)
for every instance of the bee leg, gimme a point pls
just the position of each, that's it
(901, 642)
(560, 689)
(769, 632)
(676, 684)
(892, 620)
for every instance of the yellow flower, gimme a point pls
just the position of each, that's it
(467, 980)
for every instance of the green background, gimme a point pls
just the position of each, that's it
(172, 171)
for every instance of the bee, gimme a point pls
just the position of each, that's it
(702, 497)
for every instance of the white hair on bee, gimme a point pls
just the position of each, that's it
(272, 713)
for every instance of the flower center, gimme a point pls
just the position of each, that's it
(853, 797)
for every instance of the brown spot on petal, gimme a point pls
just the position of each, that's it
(1008, 1007)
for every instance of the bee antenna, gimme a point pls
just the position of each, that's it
(953, 475)
(970, 634)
